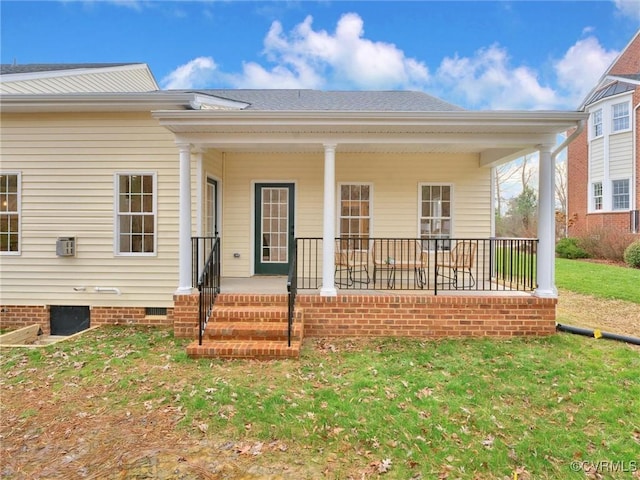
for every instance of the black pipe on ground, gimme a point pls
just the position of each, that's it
(597, 334)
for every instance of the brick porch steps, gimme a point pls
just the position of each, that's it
(249, 326)
(258, 350)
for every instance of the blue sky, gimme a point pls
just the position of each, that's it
(479, 55)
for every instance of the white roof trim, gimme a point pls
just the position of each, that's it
(17, 77)
(208, 102)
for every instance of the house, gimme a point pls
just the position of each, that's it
(604, 161)
(247, 219)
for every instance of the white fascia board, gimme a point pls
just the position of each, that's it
(79, 102)
(561, 120)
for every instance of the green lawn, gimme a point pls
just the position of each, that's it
(468, 409)
(599, 280)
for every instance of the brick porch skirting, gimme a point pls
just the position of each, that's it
(426, 316)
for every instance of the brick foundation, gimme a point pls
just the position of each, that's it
(13, 317)
(185, 315)
(17, 316)
(405, 315)
(129, 316)
(426, 316)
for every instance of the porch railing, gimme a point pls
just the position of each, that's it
(206, 276)
(292, 291)
(634, 221)
(451, 264)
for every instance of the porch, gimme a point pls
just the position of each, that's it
(431, 293)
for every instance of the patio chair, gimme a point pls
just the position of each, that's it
(400, 255)
(350, 260)
(452, 267)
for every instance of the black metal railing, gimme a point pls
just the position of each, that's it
(634, 221)
(205, 267)
(292, 291)
(472, 264)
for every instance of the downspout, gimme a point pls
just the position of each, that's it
(597, 334)
(557, 151)
(634, 166)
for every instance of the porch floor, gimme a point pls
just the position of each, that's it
(274, 284)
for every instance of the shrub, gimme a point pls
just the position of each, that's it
(632, 255)
(569, 248)
(606, 244)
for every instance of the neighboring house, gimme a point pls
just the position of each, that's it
(604, 161)
(113, 202)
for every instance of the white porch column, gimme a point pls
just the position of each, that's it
(546, 225)
(329, 225)
(184, 232)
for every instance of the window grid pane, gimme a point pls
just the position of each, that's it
(597, 123)
(620, 194)
(9, 214)
(620, 117)
(136, 215)
(355, 211)
(597, 196)
(435, 209)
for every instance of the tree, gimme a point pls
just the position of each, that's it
(520, 219)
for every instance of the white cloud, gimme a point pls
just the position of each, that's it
(346, 59)
(195, 74)
(581, 67)
(487, 80)
(309, 58)
(628, 8)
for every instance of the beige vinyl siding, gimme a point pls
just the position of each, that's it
(68, 162)
(621, 155)
(394, 177)
(241, 170)
(97, 81)
(596, 160)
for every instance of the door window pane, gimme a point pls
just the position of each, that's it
(275, 221)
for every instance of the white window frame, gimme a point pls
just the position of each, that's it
(116, 214)
(627, 116)
(18, 211)
(339, 215)
(596, 127)
(421, 217)
(614, 195)
(594, 197)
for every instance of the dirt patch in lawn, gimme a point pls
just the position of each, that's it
(83, 436)
(614, 316)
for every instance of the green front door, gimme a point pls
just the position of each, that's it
(274, 227)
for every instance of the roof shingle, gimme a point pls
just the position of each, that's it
(318, 100)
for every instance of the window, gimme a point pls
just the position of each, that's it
(355, 211)
(620, 116)
(435, 214)
(596, 119)
(10, 213)
(620, 197)
(136, 213)
(597, 196)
